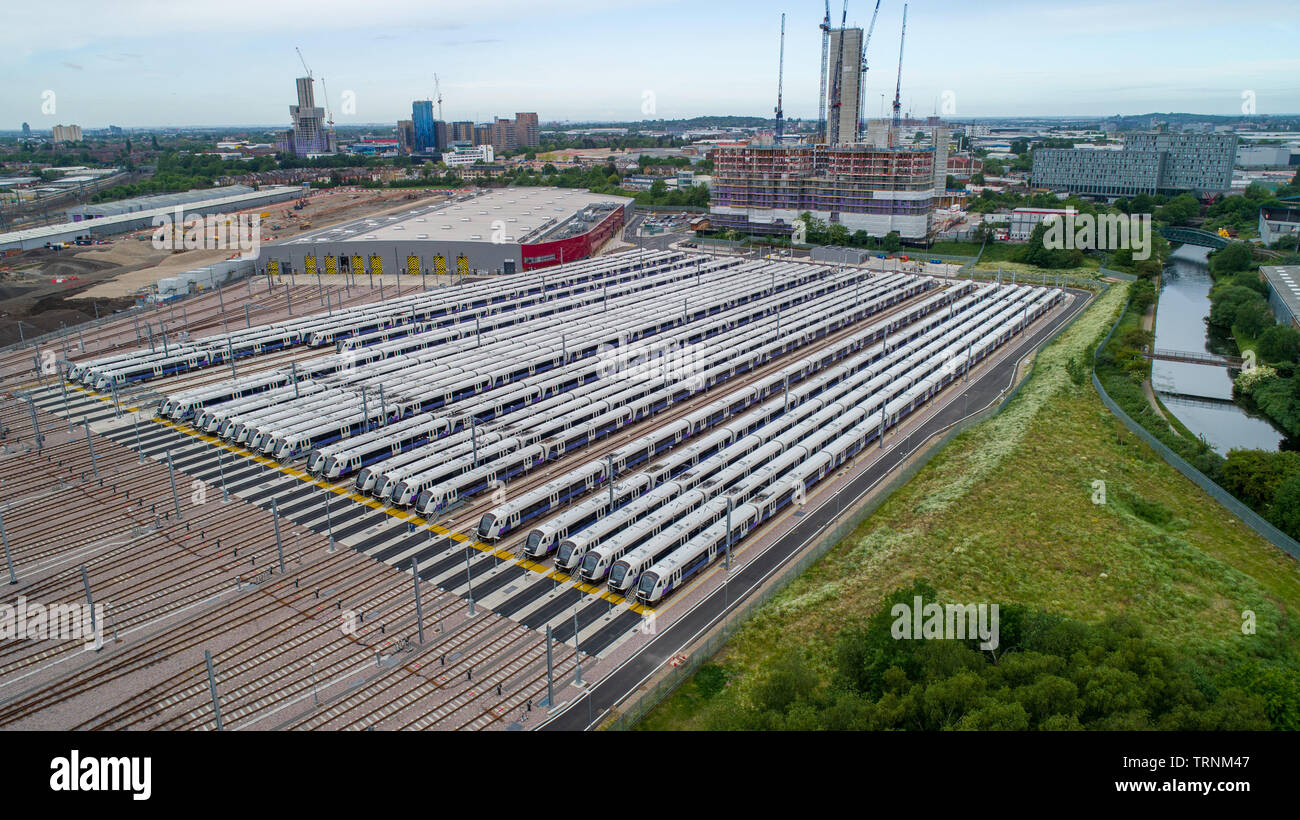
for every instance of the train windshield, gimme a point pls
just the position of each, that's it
(616, 575)
(647, 584)
(566, 551)
(589, 562)
(534, 539)
(485, 525)
(423, 499)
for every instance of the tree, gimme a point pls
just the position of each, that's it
(658, 188)
(1237, 256)
(1226, 302)
(977, 178)
(1279, 343)
(1019, 146)
(891, 242)
(1254, 317)
(1179, 210)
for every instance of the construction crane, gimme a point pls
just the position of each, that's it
(897, 121)
(437, 95)
(833, 129)
(780, 76)
(821, 98)
(862, 81)
(326, 92)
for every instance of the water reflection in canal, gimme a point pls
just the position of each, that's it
(1200, 395)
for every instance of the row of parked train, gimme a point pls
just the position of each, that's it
(660, 527)
(364, 325)
(430, 424)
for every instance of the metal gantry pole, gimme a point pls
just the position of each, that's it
(470, 578)
(419, 610)
(63, 388)
(221, 468)
(550, 669)
(609, 466)
(171, 472)
(117, 405)
(90, 601)
(9, 560)
(212, 686)
(730, 504)
(293, 376)
(329, 522)
(36, 428)
(288, 300)
(94, 463)
(139, 448)
(577, 649)
(279, 546)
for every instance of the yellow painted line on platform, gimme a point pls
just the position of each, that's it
(419, 522)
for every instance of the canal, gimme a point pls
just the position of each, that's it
(1200, 395)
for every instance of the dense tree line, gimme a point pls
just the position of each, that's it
(1048, 672)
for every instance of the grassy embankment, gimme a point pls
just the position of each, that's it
(1006, 514)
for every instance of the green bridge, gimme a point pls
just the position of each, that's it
(1195, 236)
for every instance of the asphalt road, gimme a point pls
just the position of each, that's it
(589, 709)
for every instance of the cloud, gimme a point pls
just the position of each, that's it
(73, 66)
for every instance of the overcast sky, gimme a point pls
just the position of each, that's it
(144, 63)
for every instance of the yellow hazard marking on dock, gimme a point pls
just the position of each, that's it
(420, 523)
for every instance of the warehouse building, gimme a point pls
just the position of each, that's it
(500, 231)
(1283, 292)
(121, 223)
(145, 203)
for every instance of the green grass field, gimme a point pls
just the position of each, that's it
(1005, 514)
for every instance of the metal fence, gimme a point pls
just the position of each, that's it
(634, 710)
(1248, 516)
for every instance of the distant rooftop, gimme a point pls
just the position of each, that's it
(512, 214)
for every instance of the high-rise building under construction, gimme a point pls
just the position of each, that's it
(843, 85)
(310, 134)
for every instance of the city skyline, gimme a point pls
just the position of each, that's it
(155, 65)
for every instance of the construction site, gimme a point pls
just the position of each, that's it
(852, 174)
(44, 290)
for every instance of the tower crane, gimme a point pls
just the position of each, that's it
(437, 95)
(862, 81)
(833, 130)
(896, 122)
(821, 99)
(780, 76)
(304, 61)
